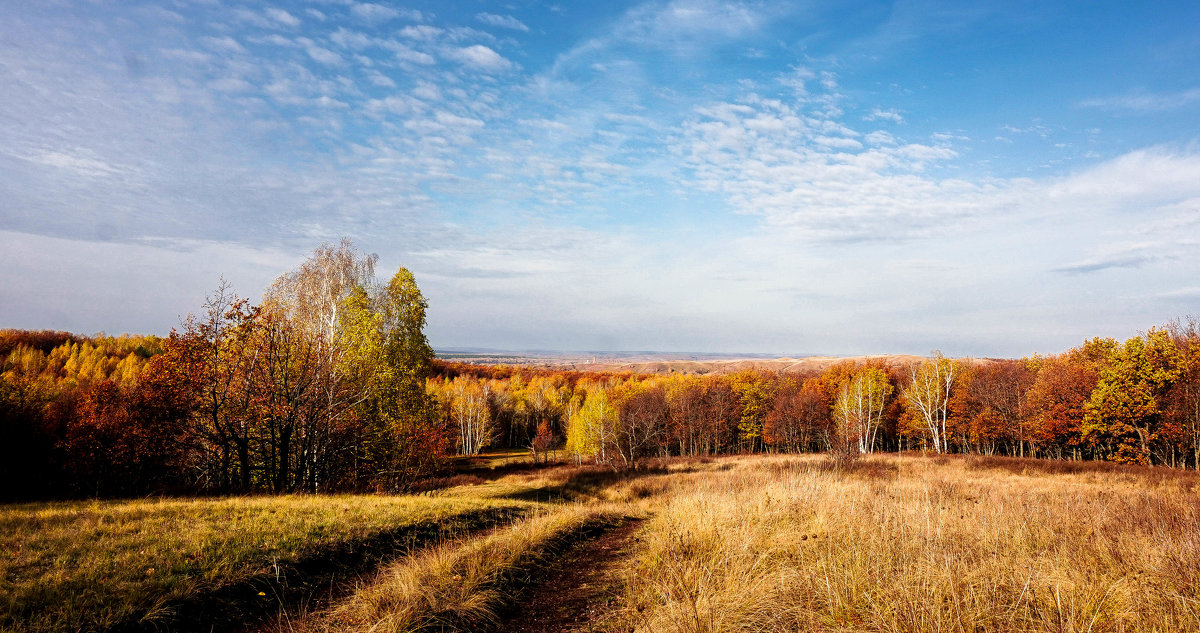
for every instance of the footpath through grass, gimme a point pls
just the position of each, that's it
(463, 586)
(756, 543)
(100, 565)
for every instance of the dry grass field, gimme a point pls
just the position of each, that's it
(762, 543)
(919, 544)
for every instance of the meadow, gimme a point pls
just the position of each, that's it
(101, 565)
(887, 542)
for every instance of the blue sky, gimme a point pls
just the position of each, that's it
(990, 179)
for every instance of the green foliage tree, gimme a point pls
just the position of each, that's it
(756, 394)
(1124, 412)
(409, 440)
(590, 431)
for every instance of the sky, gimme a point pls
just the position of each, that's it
(819, 177)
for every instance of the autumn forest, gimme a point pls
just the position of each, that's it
(329, 384)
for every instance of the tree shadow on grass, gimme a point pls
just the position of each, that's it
(318, 577)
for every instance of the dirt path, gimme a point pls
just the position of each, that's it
(575, 590)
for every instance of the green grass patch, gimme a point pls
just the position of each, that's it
(102, 565)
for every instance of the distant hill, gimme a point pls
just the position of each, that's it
(667, 363)
(732, 365)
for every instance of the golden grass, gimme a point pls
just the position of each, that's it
(94, 565)
(461, 586)
(762, 543)
(786, 544)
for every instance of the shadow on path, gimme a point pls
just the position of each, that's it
(575, 590)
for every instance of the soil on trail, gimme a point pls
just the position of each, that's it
(575, 590)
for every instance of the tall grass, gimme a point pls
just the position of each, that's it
(779, 544)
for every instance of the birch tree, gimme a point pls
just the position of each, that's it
(927, 396)
(470, 412)
(859, 407)
(307, 307)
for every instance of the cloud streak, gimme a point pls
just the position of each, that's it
(502, 21)
(1097, 265)
(1145, 102)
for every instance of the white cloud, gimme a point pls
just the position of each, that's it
(111, 278)
(446, 128)
(224, 44)
(423, 32)
(372, 12)
(689, 21)
(410, 55)
(1153, 174)
(1036, 128)
(482, 184)
(427, 91)
(252, 17)
(1145, 102)
(82, 162)
(282, 17)
(774, 160)
(275, 39)
(479, 57)
(394, 104)
(837, 142)
(355, 40)
(458, 122)
(880, 114)
(379, 79)
(324, 55)
(325, 101)
(502, 21)
(879, 137)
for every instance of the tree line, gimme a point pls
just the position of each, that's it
(1132, 402)
(330, 384)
